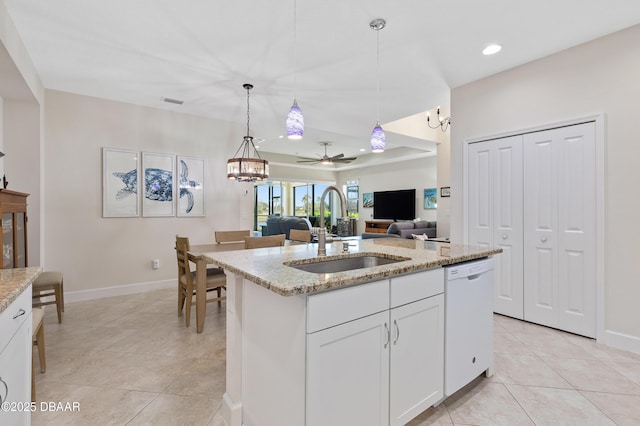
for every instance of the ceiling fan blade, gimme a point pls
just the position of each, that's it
(309, 158)
(335, 157)
(310, 161)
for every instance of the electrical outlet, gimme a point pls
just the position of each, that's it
(155, 263)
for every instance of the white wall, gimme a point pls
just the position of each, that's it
(597, 77)
(419, 174)
(95, 252)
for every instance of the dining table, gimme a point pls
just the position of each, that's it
(196, 255)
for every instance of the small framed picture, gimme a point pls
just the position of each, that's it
(158, 189)
(367, 200)
(445, 191)
(121, 172)
(431, 198)
(190, 186)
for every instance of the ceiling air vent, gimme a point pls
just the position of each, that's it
(172, 101)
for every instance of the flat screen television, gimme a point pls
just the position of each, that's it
(394, 205)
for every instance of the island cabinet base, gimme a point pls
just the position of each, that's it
(367, 354)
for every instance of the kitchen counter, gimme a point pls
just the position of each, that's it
(14, 281)
(265, 266)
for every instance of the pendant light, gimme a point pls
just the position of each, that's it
(246, 168)
(295, 119)
(378, 138)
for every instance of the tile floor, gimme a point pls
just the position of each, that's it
(130, 361)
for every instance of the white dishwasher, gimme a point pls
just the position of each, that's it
(468, 336)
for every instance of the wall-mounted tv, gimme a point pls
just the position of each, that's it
(394, 205)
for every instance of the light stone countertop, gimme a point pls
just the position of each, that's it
(265, 266)
(14, 281)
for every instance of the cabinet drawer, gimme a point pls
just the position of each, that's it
(335, 307)
(8, 324)
(409, 288)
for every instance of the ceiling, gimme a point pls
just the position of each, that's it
(202, 51)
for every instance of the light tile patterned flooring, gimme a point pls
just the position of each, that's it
(130, 361)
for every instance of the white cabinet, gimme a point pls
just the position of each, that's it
(417, 358)
(15, 360)
(534, 195)
(348, 373)
(384, 368)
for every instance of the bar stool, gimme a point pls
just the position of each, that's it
(49, 284)
(38, 340)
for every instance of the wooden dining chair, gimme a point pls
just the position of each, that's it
(303, 235)
(231, 236)
(266, 241)
(216, 281)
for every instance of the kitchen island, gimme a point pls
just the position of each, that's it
(361, 346)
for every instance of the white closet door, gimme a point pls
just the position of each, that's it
(559, 223)
(577, 230)
(495, 215)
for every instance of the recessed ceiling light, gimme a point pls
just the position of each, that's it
(492, 49)
(362, 150)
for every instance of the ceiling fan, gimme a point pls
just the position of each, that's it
(325, 159)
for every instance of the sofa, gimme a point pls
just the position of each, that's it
(406, 230)
(283, 224)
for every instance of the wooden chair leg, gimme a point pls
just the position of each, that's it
(41, 351)
(181, 300)
(59, 303)
(33, 378)
(62, 294)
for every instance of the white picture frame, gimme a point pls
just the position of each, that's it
(158, 190)
(190, 186)
(120, 178)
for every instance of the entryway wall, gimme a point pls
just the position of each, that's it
(539, 195)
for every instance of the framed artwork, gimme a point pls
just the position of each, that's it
(120, 177)
(445, 191)
(367, 199)
(190, 183)
(430, 198)
(158, 189)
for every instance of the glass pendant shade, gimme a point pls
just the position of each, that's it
(378, 139)
(295, 122)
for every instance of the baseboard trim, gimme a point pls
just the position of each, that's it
(622, 341)
(120, 290)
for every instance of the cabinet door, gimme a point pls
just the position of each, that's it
(348, 373)
(417, 358)
(15, 376)
(560, 225)
(495, 215)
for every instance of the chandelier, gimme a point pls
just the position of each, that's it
(245, 168)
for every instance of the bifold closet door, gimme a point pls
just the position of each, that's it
(560, 228)
(495, 215)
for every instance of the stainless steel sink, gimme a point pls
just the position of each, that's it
(341, 264)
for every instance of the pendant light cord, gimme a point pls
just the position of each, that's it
(248, 111)
(295, 50)
(377, 76)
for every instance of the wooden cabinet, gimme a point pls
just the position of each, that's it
(378, 226)
(13, 211)
(15, 361)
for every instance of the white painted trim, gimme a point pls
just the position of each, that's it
(600, 136)
(622, 341)
(121, 290)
